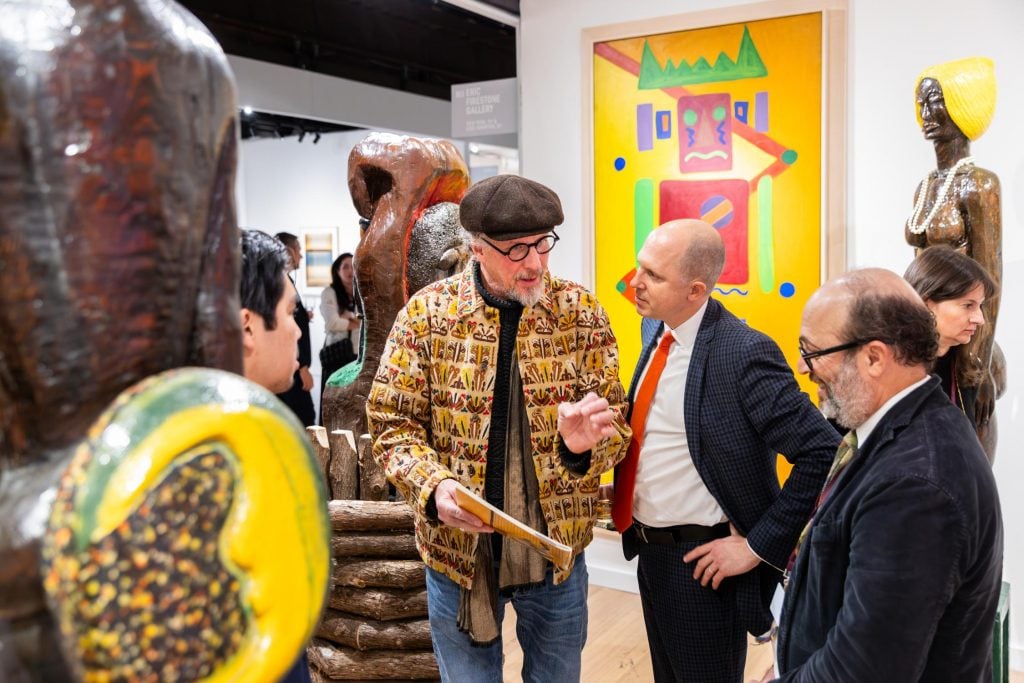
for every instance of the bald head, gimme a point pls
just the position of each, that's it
(696, 246)
(874, 303)
(676, 270)
(840, 292)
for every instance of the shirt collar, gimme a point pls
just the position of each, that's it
(864, 431)
(686, 333)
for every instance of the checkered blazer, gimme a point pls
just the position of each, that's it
(741, 407)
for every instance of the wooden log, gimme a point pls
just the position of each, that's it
(360, 634)
(343, 663)
(395, 546)
(372, 483)
(317, 677)
(370, 515)
(322, 449)
(380, 573)
(382, 604)
(344, 474)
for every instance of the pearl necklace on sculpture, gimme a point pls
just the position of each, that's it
(913, 225)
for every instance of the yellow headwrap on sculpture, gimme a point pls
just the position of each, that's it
(969, 88)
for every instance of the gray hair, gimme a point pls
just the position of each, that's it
(891, 314)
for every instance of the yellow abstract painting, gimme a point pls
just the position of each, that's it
(725, 124)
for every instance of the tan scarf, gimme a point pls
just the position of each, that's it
(520, 565)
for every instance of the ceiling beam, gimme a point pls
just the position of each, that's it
(489, 11)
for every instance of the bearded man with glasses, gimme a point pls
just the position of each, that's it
(503, 378)
(897, 576)
(836, 410)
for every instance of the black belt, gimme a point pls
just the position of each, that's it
(671, 535)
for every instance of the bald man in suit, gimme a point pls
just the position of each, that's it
(697, 498)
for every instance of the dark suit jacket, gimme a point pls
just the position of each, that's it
(299, 400)
(301, 316)
(899, 577)
(742, 406)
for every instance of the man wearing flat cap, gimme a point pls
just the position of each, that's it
(504, 379)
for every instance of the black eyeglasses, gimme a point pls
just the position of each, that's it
(520, 251)
(808, 356)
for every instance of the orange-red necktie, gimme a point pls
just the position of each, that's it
(625, 471)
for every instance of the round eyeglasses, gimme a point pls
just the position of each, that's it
(517, 252)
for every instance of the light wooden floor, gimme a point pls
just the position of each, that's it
(616, 650)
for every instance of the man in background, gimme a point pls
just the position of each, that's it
(269, 334)
(897, 577)
(297, 396)
(697, 497)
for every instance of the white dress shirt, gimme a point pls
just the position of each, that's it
(669, 490)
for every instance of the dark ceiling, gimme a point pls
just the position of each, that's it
(419, 46)
(262, 124)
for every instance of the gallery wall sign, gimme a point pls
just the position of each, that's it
(731, 116)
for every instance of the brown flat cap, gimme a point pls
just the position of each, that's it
(506, 207)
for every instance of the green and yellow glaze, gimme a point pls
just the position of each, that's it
(189, 539)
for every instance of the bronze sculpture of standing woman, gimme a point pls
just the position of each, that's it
(958, 204)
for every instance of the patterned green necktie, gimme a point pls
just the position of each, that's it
(844, 456)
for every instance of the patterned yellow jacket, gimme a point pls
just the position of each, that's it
(430, 405)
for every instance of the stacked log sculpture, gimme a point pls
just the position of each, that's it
(375, 626)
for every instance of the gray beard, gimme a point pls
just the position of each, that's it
(526, 298)
(846, 401)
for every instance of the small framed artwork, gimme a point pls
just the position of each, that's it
(318, 247)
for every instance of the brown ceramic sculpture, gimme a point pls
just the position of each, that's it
(409, 190)
(118, 248)
(958, 205)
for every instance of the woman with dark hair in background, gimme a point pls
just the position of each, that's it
(342, 322)
(954, 286)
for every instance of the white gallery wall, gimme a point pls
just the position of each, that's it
(296, 92)
(288, 186)
(889, 43)
(284, 185)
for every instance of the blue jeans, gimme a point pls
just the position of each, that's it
(551, 626)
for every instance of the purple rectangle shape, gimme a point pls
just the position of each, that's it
(644, 127)
(761, 112)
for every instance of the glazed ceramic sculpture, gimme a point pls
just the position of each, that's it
(958, 204)
(148, 492)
